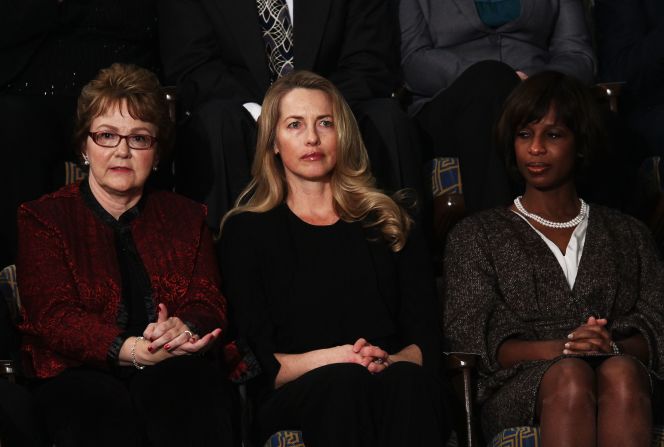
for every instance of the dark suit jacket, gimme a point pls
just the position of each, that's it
(441, 39)
(214, 48)
(631, 46)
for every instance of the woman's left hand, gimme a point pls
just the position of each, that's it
(376, 358)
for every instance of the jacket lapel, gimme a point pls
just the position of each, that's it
(241, 17)
(309, 21)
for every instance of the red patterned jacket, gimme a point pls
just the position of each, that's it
(69, 278)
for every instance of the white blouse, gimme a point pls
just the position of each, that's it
(569, 261)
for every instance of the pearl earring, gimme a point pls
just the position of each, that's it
(86, 161)
(155, 168)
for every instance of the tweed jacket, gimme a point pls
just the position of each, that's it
(441, 39)
(70, 280)
(502, 281)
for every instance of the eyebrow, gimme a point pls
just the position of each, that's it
(132, 131)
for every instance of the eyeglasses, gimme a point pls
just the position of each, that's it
(109, 139)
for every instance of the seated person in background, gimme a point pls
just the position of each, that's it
(631, 48)
(120, 287)
(563, 300)
(50, 49)
(461, 58)
(224, 55)
(330, 284)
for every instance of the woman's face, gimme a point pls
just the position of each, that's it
(120, 170)
(545, 153)
(305, 137)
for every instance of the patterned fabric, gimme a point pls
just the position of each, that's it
(286, 438)
(241, 361)
(445, 176)
(530, 437)
(278, 36)
(517, 437)
(9, 291)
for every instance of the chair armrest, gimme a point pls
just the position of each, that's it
(8, 370)
(609, 92)
(461, 369)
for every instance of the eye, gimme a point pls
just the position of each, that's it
(139, 138)
(554, 135)
(523, 134)
(327, 123)
(106, 135)
(294, 125)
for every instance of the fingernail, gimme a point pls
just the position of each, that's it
(570, 336)
(167, 346)
(567, 345)
(565, 352)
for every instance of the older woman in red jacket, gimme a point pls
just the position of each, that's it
(120, 287)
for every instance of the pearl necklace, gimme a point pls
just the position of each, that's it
(583, 213)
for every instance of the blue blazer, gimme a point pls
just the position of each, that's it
(440, 39)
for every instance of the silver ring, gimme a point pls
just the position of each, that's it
(378, 361)
(189, 334)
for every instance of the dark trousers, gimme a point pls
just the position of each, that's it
(458, 122)
(345, 405)
(180, 402)
(216, 146)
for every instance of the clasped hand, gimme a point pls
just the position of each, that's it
(589, 338)
(364, 353)
(170, 336)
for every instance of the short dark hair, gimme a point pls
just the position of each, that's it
(141, 90)
(574, 105)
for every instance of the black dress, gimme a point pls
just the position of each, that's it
(295, 287)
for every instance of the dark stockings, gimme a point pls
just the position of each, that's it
(607, 405)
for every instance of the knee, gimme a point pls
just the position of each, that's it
(569, 382)
(623, 379)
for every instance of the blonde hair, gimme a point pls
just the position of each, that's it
(353, 187)
(142, 92)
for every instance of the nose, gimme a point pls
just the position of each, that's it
(122, 149)
(537, 146)
(313, 138)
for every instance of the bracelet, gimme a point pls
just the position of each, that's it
(615, 348)
(133, 354)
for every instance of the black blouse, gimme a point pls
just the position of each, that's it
(296, 287)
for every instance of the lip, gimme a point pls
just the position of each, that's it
(121, 169)
(536, 168)
(312, 156)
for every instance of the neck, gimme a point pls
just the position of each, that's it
(312, 202)
(558, 204)
(114, 204)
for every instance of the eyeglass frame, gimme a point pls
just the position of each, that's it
(153, 140)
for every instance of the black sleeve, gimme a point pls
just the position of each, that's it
(420, 315)
(244, 286)
(363, 68)
(193, 59)
(631, 44)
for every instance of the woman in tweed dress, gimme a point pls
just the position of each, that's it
(563, 301)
